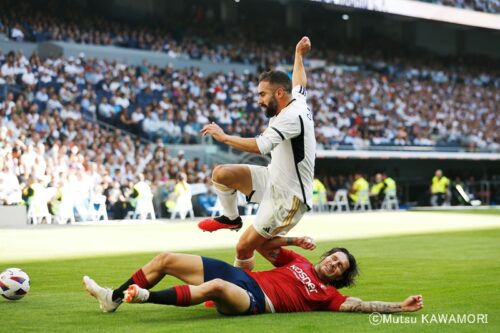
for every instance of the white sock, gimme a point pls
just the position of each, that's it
(228, 200)
(247, 264)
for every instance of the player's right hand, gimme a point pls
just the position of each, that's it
(306, 243)
(214, 130)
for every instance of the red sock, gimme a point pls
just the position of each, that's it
(183, 295)
(140, 279)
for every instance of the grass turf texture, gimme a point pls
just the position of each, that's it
(457, 273)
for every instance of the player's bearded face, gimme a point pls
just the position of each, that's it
(271, 107)
(333, 266)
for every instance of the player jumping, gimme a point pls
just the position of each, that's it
(284, 188)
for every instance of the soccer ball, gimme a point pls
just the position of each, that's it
(14, 283)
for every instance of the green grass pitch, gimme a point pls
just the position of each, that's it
(457, 273)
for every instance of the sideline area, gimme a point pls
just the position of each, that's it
(41, 242)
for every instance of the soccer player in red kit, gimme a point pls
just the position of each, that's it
(295, 285)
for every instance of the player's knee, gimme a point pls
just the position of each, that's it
(217, 287)
(164, 260)
(244, 249)
(221, 174)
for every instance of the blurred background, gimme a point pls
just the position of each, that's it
(101, 103)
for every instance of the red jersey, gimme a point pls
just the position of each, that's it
(294, 286)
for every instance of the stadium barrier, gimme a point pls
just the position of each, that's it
(129, 56)
(13, 216)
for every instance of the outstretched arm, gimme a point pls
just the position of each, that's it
(271, 249)
(244, 144)
(299, 73)
(353, 304)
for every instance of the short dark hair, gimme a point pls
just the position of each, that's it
(349, 276)
(277, 78)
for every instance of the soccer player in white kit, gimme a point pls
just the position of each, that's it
(284, 188)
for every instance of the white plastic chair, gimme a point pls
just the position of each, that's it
(339, 201)
(38, 209)
(183, 207)
(390, 201)
(144, 208)
(65, 212)
(248, 207)
(217, 209)
(321, 205)
(97, 208)
(363, 203)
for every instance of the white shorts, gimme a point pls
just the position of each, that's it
(279, 210)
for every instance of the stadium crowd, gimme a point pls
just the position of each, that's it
(49, 107)
(415, 106)
(195, 35)
(46, 137)
(82, 159)
(375, 100)
(355, 105)
(198, 37)
(488, 6)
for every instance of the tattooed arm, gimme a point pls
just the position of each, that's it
(353, 304)
(271, 249)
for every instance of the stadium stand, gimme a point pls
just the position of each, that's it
(355, 108)
(179, 37)
(488, 6)
(96, 124)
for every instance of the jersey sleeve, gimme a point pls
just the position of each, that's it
(286, 126)
(337, 300)
(287, 256)
(299, 93)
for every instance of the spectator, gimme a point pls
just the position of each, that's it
(359, 190)
(439, 189)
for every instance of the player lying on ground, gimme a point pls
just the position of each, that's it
(295, 285)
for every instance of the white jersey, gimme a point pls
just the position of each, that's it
(291, 140)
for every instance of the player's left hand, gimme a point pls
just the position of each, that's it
(413, 303)
(215, 131)
(303, 46)
(306, 243)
